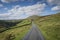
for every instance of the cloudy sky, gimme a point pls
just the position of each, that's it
(20, 9)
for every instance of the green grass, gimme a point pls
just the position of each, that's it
(16, 32)
(6, 25)
(49, 26)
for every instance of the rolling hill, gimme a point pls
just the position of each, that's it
(16, 29)
(49, 26)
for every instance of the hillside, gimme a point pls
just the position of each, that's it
(14, 30)
(49, 26)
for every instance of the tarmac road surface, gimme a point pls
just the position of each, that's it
(34, 34)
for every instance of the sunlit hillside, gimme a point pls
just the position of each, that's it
(16, 30)
(49, 26)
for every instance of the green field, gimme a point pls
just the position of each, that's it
(16, 32)
(49, 26)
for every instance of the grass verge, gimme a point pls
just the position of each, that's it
(15, 34)
(50, 26)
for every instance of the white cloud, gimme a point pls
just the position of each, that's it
(19, 12)
(6, 8)
(54, 2)
(50, 1)
(7, 1)
(1, 5)
(56, 8)
(4, 16)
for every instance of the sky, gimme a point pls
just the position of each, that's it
(21, 9)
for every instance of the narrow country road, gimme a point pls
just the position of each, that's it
(34, 34)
